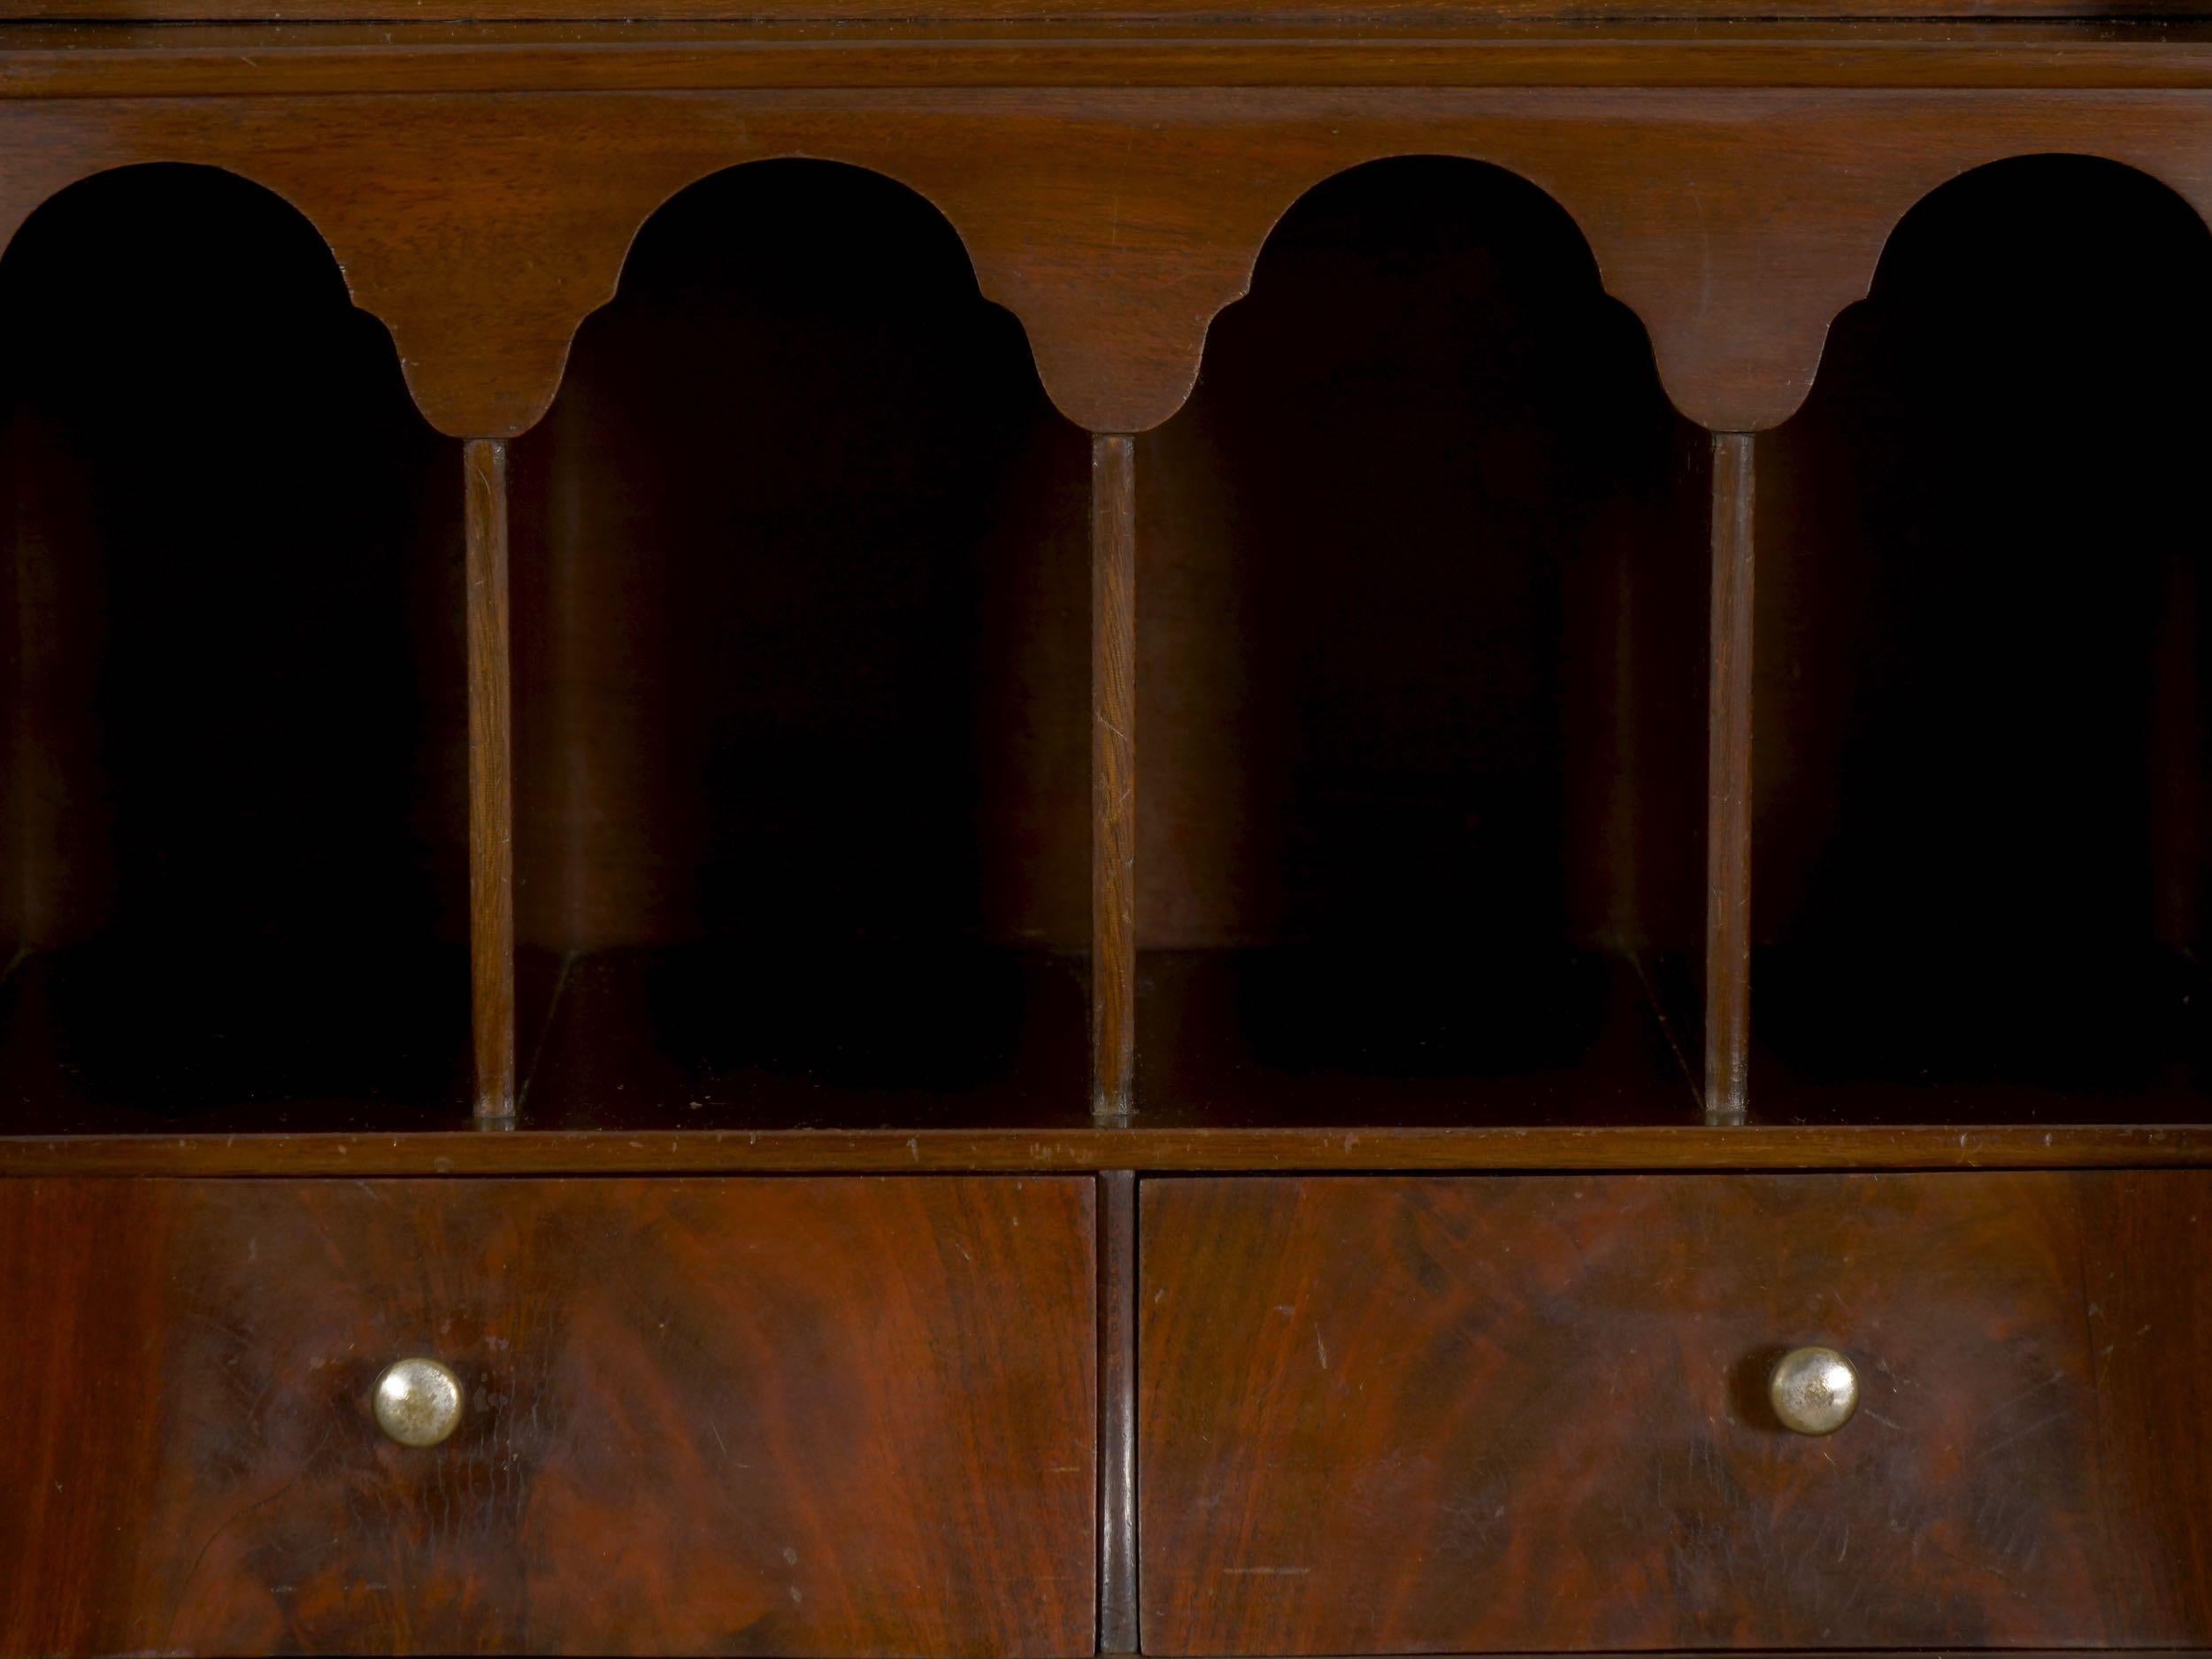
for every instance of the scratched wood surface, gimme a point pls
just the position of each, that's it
(1047, 1145)
(1395, 1415)
(809, 1416)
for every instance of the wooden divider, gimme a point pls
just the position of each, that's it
(1113, 776)
(1728, 780)
(491, 785)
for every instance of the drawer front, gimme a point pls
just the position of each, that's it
(801, 1417)
(1404, 1415)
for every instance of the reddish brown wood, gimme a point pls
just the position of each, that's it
(879, 12)
(1728, 781)
(491, 785)
(1117, 1589)
(89, 1358)
(1071, 1143)
(814, 1417)
(1113, 777)
(1114, 221)
(1433, 50)
(2147, 1316)
(1413, 799)
(1389, 1416)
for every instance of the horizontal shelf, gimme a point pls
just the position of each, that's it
(870, 723)
(1957, 1037)
(1056, 1148)
(1297, 1036)
(722, 1037)
(123, 1035)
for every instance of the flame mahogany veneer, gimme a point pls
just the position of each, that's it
(1382, 1415)
(831, 1416)
(1144, 594)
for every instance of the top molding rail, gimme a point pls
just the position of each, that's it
(1115, 218)
(73, 60)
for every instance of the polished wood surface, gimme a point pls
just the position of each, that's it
(1728, 780)
(814, 1417)
(1387, 1414)
(876, 13)
(867, 424)
(491, 783)
(1115, 222)
(1226, 50)
(1113, 776)
(1419, 839)
(1117, 1587)
(1070, 1142)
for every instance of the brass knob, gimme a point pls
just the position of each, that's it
(417, 1401)
(1815, 1390)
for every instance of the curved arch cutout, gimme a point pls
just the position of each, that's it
(239, 677)
(801, 596)
(1424, 567)
(1982, 867)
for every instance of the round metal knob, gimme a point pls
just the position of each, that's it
(1815, 1390)
(417, 1401)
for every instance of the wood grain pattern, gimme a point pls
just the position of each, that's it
(1397, 1415)
(873, 12)
(1431, 49)
(811, 1417)
(1728, 783)
(1113, 777)
(1115, 222)
(491, 785)
(1118, 1587)
(1070, 1143)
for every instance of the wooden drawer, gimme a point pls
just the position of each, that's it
(1384, 1415)
(792, 1417)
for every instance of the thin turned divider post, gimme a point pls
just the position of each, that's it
(1728, 785)
(491, 786)
(1113, 776)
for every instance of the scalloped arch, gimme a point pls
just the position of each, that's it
(1114, 223)
(1350, 169)
(1932, 192)
(1738, 254)
(1935, 192)
(20, 207)
(872, 169)
(19, 211)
